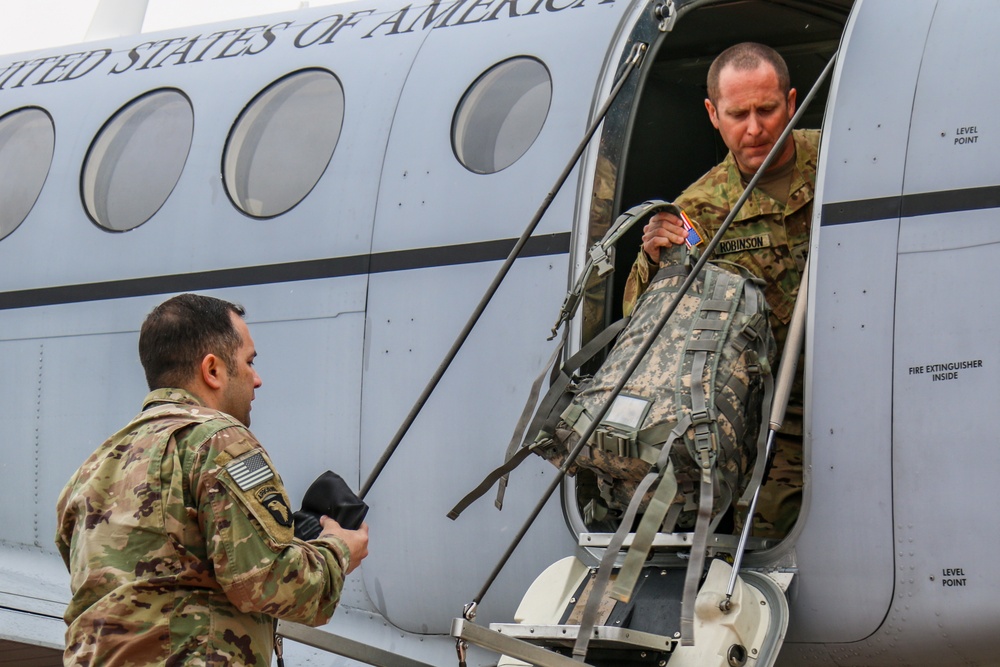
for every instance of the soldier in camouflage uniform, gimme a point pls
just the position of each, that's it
(177, 531)
(750, 103)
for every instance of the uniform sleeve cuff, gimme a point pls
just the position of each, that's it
(340, 550)
(645, 266)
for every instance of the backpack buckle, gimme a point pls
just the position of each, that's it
(700, 417)
(705, 448)
(752, 327)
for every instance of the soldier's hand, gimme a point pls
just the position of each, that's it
(662, 231)
(356, 540)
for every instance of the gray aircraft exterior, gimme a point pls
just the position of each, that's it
(356, 175)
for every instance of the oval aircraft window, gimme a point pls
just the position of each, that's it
(501, 115)
(135, 161)
(27, 138)
(282, 142)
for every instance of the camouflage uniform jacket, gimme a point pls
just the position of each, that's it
(177, 533)
(769, 239)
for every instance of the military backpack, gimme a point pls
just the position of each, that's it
(679, 444)
(698, 391)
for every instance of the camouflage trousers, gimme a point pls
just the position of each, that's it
(781, 496)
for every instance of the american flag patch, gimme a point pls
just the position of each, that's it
(693, 238)
(250, 472)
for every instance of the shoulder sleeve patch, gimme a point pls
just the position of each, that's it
(272, 498)
(250, 472)
(254, 485)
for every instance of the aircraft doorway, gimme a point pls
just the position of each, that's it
(658, 138)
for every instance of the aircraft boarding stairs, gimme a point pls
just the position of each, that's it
(748, 630)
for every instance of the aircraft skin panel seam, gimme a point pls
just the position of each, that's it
(316, 269)
(909, 206)
(373, 266)
(36, 445)
(892, 442)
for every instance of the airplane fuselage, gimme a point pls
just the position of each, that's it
(355, 176)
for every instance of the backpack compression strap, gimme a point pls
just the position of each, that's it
(589, 619)
(752, 340)
(517, 438)
(545, 418)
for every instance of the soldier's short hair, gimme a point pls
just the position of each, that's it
(746, 57)
(178, 333)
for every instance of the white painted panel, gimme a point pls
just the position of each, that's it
(868, 112)
(220, 74)
(955, 131)
(946, 453)
(456, 440)
(845, 550)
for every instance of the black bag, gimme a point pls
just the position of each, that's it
(328, 496)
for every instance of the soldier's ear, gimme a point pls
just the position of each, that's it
(713, 113)
(212, 371)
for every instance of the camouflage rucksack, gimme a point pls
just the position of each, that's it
(680, 441)
(709, 370)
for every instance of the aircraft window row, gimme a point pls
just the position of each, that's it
(501, 115)
(27, 139)
(278, 148)
(282, 142)
(122, 188)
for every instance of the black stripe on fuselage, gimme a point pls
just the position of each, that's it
(315, 269)
(909, 206)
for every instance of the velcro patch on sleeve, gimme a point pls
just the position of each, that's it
(273, 500)
(250, 472)
(255, 486)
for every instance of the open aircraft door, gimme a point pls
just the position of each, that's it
(900, 351)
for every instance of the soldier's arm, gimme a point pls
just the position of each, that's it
(65, 519)
(638, 281)
(706, 204)
(355, 541)
(257, 560)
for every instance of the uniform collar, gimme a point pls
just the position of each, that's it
(759, 203)
(171, 395)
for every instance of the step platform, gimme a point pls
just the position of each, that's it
(646, 630)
